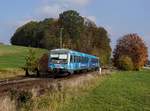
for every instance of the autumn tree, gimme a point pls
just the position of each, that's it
(133, 46)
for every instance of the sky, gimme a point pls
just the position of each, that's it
(118, 17)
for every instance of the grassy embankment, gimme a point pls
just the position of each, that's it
(12, 58)
(121, 91)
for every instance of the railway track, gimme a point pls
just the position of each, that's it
(22, 79)
(28, 83)
(34, 78)
(7, 81)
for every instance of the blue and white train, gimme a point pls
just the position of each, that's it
(64, 60)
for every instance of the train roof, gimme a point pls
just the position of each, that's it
(73, 52)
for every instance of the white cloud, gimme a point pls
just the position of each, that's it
(92, 18)
(78, 2)
(50, 10)
(74, 2)
(109, 29)
(23, 22)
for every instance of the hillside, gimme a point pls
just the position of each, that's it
(14, 56)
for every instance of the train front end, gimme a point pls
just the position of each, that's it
(58, 61)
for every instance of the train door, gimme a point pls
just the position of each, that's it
(72, 62)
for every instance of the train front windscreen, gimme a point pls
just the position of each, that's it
(59, 58)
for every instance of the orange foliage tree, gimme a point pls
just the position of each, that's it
(131, 45)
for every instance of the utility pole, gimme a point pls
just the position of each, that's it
(61, 34)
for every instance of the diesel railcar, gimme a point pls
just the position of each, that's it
(65, 60)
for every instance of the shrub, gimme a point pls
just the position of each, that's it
(125, 63)
(22, 98)
(43, 63)
(31, 62)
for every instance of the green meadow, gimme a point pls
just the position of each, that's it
(122, 91)
(14, 56)
(12, 59)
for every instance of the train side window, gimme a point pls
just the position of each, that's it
(71, 58)
(83, 59)
(75, 58)
(86, 59)
(79, 58)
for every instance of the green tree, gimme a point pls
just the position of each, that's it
(31, 63)
(48, 30)
(25, 35)
(73, 24)
(97, 43)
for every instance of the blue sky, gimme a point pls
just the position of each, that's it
(119, 17)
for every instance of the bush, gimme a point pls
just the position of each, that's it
(31, 62)
(125, 63)
(43, 63)
(23, 99)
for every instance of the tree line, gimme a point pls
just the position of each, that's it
(81, 34)
(78, 33)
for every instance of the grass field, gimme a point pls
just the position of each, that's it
(122, 91)
(12, 58)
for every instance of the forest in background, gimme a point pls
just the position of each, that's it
(78, 33)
